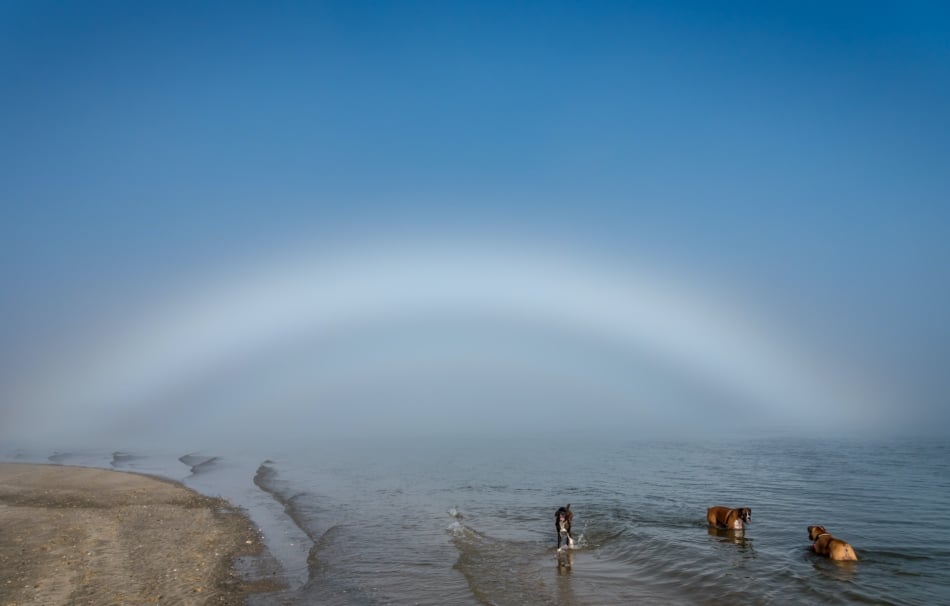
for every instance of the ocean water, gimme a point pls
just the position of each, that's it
(444, 522)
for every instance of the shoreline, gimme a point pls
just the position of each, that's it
(78, 535)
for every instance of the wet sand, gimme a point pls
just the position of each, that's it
(71, 535)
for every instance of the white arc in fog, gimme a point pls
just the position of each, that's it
(307, 294)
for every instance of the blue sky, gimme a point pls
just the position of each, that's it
(787, 158)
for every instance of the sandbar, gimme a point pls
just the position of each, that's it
(73, 535)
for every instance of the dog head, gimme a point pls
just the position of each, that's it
(563, 517)
(745, 514)
(815, 531)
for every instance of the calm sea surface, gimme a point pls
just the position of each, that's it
(471, 522)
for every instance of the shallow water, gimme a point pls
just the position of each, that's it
(472, 521)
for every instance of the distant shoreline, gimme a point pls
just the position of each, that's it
(84, 535)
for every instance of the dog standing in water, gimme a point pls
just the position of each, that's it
(724, 517)
(562, 524)
(827, 545)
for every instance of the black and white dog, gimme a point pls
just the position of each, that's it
(562, 523)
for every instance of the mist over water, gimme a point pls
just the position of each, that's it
(435, 340)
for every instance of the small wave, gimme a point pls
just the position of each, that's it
(330, 578)
(121, 459)
(598, 539)
(60, 457)
(198, 463)
(459, 530)
(498, 571)
(332, 537)
(267, 479)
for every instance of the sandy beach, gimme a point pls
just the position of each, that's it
(71, 535)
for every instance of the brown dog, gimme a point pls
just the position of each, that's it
(827, 545)
(733, 519)
(562, 524)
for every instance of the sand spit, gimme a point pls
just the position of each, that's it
(72, 535)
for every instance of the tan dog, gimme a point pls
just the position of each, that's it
(733, 519)
(825, 544)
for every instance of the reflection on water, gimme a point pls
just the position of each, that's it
(834, 570)
(565, 561)
(737, 537)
